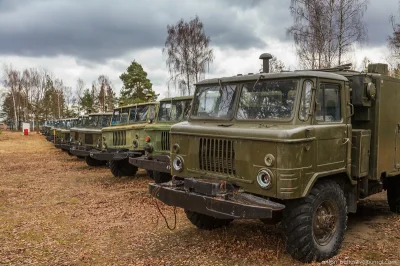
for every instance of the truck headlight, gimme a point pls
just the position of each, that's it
(135, 144)
(148, 148)
(264, 178)
(178, 163)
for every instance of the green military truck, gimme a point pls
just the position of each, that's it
(63, 131)
(297, 147)
(124, 138)
(49, 130)
(87, 136)
(156, 135)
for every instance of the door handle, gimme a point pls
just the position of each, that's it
(345, 141)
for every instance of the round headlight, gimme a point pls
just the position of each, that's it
(175, 148)
(264, 178)
(178, 163)
(135, 144)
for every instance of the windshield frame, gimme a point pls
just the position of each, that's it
(187, 102)
(285, 119)
(130, 107)
(239, 88)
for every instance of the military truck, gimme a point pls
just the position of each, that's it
(124, 138)
(52, 130)
(305, 158)
(63, 131)
(156, 135)
(87, 137)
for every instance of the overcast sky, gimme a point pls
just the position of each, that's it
(83, 39)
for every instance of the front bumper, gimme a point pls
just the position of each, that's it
(66, 146)
(160, 163)
(81, 151)
(114, 155)
(213, 200)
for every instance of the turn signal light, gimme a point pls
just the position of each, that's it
(147, 139)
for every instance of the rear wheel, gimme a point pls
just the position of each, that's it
(122, 168)
(393, 195)
(93, 162)
(160, 177)
(314, 225)
(206, 222)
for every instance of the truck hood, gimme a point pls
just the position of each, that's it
(86, 130)
(285, 133)
(124, 127)
(159, 126)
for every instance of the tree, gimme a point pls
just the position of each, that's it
(106, 96)
(86, 102)
(136, 84)
(325, 31)
(188, 52)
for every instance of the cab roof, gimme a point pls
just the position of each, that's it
(99, 114)
(279, 75)
(180, 98)
(136, 104)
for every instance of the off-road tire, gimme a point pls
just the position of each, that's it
(206, 222)
(122, 168)
(93, 162)
(81, 157)
(393, 195)
(300, 218)
(160, 177)
(70, 154)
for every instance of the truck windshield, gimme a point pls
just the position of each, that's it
(173, 111)
(104, 120)
(214, 101)
(120, 116)
(139, 113)
(272, 99)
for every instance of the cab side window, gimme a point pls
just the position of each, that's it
(329, 101)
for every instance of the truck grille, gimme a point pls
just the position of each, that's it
(88, 138)
(119, 138)
(217, 155)
(165, 140)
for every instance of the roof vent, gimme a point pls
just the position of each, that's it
(239, 75)
(251, 74)
(266, 57)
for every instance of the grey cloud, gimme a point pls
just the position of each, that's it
(98, 30)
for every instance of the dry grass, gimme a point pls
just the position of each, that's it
(55, 210)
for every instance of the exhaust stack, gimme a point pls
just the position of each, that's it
(265, 57)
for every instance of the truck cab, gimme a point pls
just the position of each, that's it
(87, 136)
(298, 148)
(124, 137)
(156, 136)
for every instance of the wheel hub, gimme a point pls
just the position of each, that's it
(325, 222)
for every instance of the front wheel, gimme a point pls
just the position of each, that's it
(393, 195)
(206, 222)
(93, 162)
(314, 225)
(160, 177)
(122, 168)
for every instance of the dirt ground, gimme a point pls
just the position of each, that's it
(56, 210)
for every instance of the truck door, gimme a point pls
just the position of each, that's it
(331, 127)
